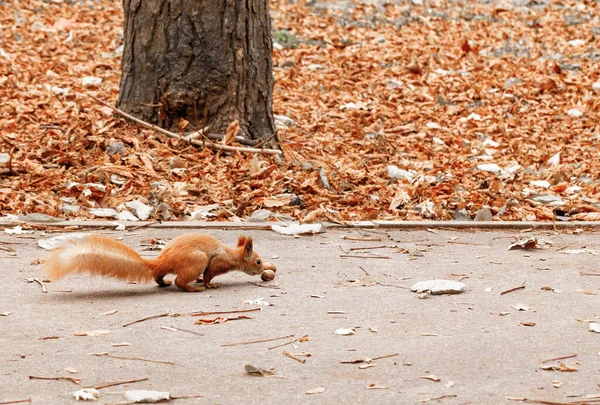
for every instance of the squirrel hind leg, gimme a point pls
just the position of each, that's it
(185, 277)
(161, 281)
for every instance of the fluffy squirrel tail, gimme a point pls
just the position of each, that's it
(98, 255)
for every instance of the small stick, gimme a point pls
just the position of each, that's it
(202, 313)
(133, 228)
(588, 274)
(287, 343)
(184, 330)
(112, 384)
(362, 239)
(559, 358)
(147, 318)
(521, 287)
(291, 356)
(456, 242)
(72, 379)
(366, 257)
(370, 247)
(385, 356)
(382, 284)
(256, 341)
(18, 401)
(40, 282)
(186, 396)
(133, 358)
(184, 139)
(438, 398)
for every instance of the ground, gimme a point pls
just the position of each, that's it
(478, 344)
(471, 103)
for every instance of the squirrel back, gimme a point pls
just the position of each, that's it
(98, 255)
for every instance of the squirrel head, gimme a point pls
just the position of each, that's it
(251, 263)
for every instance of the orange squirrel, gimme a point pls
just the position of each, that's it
(191, 257)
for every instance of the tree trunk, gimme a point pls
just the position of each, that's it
(205, 61)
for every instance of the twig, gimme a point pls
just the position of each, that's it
(366, 257)
(382, 284)
(291, 356)
(202, 313)
(287, 343)
(371, 247)
(18, 401)
(40, 282)
(521, 287)
(133, 228)
(385, 356)
(186, 396)
(438, 398)
(559, 358)
(238, 139)
(588, 274)
(132, 358)
(112, 384)
(362, 239)
(256, 341)
(456, 242)
(72, 379)
(182, 330)
(147, 318)
(543, 402)
(184, 139)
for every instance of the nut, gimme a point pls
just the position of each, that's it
(267, 275)
(270, 266)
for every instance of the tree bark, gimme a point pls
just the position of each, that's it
(205, 61)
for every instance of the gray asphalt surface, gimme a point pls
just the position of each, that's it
(474, 343)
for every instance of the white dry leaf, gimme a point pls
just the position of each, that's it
(574, 113)
(490, 167)
(58, 90)
(4, 158)
(203, 212)
(576, 42)
(126, 216)
(488, 290)
(17, 230)
(87, 394)
(284, 120)
(449, 384)
(99, 332)
(104, 212)
(141, 210)
(554, 160)
(595, 327)
(394, 172)
(374, 329)
(540, 183)
(146, 396)
(91, 81)
(258, 301)
(354, 106)
(474, 117)
(345, 331)
(433, 125)
(520, 307)
(438, 287)
(7, 313)
(62, 240)
(317, 390)
(71, 370)
(298, 229)
(277, 201)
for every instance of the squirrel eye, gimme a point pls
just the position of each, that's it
(258, 261)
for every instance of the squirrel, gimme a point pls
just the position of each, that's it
(190, 257)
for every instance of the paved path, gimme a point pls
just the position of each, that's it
(476, 343)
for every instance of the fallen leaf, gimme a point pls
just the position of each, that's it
(431, 377)
(250, 369)
(317, 390)
(345, 331)
(93, 333)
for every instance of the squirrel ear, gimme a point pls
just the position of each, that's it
(241, 241)
(248, 246)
